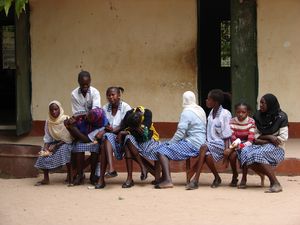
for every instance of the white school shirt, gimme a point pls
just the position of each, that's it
(218, 128)
(81, 105)
(115, 121)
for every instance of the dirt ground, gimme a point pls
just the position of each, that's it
(23, 203)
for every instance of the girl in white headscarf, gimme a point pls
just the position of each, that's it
(186, 142)
(57, 142)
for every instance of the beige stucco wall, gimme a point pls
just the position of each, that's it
(278, 32)
(147, 47)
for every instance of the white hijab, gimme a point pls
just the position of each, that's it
(189, 103)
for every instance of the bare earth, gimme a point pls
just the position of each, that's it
(55, 204)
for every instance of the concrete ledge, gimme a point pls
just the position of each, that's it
(15, 163)
(165, 129)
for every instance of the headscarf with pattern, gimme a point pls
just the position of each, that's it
(97, 119)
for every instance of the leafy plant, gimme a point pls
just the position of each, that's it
(19, 5)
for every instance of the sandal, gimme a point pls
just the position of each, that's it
(42, 182)
(79, 179)
(111, 174)
(100, 186)
(192, 185)
(126, 185)
(234, 182)
(242, 186)
(163, 187)
(144, 175)
(216, 183)
(274, 189)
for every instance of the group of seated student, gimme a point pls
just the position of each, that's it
(117, 130)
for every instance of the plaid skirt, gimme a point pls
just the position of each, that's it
(117, 147)
(180, 150)
(265, 154)
(86, 147)
(146, 149)
(60, 157)
(215, 149)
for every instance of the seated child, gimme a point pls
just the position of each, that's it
(218, 133)
(115, 111)
(186, 142)
(141, 139)
(242, 127)
(58, 143)
(85, 133)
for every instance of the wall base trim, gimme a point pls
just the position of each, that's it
(165, 129)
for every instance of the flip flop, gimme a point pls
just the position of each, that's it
(111, 174)
(192, 185)
(242, 186)
(216, 183)
(126, 185)
(234, 182)
(39, 183)
(100, 186)
(274, 189)
(163, 187)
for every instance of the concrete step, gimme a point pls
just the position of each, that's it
(290, 166)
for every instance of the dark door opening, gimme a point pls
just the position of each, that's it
(15, 72)
(213, 56)
(7, 70)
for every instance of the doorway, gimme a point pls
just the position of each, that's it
(227, 51)
(15, 72)
(7, 71)
(213, 54)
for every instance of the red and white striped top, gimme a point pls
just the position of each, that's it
(244, 130)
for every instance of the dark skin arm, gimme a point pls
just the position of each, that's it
(265, 139)
(122, 131)
(74, 131)
(147, 118)
(52, 148)
(113, 130)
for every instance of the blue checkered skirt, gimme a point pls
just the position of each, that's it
(265, 154)
(60, 157)
(215, 149)
(146, 149)
(86, 147)
(117, 147)
(180, 150)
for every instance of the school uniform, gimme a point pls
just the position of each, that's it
(81, 105)
(90, 129)
(149, 141)
(115, 121)
(55, 131)
(189, 136)
(267, 153)
(60, 157)
(218, 130)
(272, 122)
